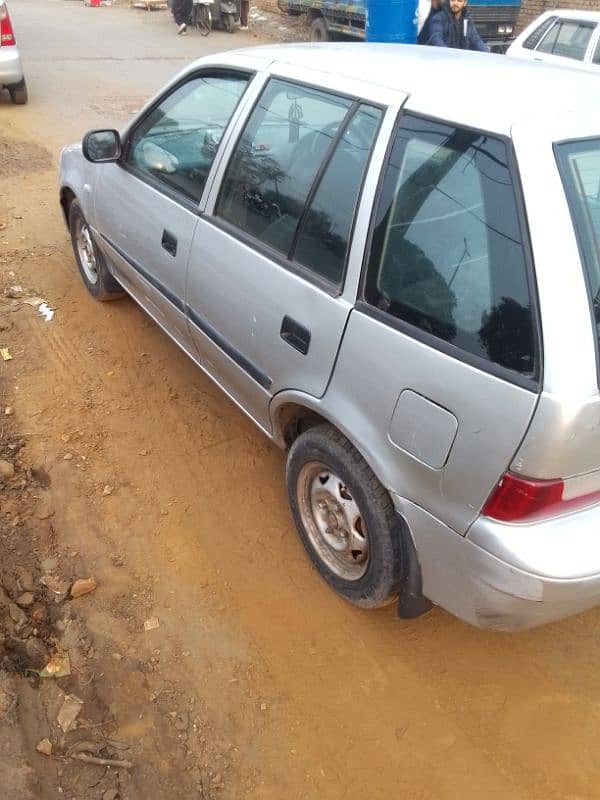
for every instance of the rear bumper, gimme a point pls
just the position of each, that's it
(509, 577)
(11, 69)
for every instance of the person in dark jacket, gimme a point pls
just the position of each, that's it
(182, 11)
(425, 32)
(452, 27)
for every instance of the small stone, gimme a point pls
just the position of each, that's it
(38, 613)
(69, 712)
(8, 411)
(118, 560)
(117, 656)
(182, 722)
(68, 457)
(263, 706)
(107, 491)
(45, 513)
(111, 794)
(49, 565)
(45, 747)
(37, 652)
(25, 579)
(25, 600)
(6, 470)
(18, 616)
(83, 586)
(14, 292)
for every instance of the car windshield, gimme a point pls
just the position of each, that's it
(580, 166)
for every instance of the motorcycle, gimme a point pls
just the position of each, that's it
(204, 11)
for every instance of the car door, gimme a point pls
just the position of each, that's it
(268, 261)
(146, 206)
(567, 42)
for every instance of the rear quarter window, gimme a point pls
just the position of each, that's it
(579, 164)
(532, 41)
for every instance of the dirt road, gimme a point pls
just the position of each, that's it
(258, 682)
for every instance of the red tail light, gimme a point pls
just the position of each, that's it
(7, 37)
(518, 499)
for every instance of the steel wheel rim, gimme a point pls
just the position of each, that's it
(85, 250)
(333, 521)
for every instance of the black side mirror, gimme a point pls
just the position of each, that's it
(102, 147)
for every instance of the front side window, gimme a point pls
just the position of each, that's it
(294, 178)
(568, 40)
(447, 255)
(580, 168)
(177, 142)
(534, 37)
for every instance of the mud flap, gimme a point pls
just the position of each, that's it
(411, 601)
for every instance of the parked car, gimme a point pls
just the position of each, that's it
(562, 37)
(11, 69)
(399, 285)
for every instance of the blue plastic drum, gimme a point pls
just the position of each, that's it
(391, 21)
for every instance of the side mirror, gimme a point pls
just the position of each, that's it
(102, 147)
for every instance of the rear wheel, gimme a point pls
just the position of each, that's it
(345, 518)
(92, 266)
(18, 93)
(229, 23)
(319, 31)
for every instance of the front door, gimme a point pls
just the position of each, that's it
(268, 260)
(146, 208)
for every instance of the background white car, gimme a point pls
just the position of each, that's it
(566, 37)
(11, 69)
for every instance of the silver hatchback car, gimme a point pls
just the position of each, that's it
(395, 272)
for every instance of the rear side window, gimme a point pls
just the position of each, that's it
(580, 169)
(447, 256)
(568, 40)
(534, 37)
(295, 176)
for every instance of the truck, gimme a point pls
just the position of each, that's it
(495, 19)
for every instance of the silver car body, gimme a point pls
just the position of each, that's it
(530, 43)
(438, 432)
(11, 69)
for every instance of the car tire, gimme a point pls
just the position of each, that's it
(90, 261)
(345, 518)
(319, 32)
(18, 93)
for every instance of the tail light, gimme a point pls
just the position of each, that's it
(7, 37)
(517, 499)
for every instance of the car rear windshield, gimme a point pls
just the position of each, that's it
(580, 167)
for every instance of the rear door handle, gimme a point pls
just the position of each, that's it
(296, 335)
(169, 243)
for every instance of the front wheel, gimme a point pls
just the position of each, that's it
(345, 518)
(319, 32)
(229, 22)
(18, 93)
(92, 266)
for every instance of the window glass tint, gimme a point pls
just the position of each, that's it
(580, 163)
(276, 160)
(596, 59)
(568, 40)
(177, 142)
(535, 36)
(447, 255)
(325, 235)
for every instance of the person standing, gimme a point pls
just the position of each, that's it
(452, 27)
(425, 32)
(244, 11)
(182, 11)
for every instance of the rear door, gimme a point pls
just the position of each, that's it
(267, 271)
(567, 42)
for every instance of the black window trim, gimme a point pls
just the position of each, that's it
(532, 382)
(565, 180)
(288, 261)
(171, 193)
(581, 23)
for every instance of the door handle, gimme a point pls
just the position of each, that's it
(296, 335)
(169, 243)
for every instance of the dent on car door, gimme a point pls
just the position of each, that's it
(268, 261)
(147, 205)
(445, 333)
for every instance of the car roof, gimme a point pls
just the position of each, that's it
(570, 13)
(481, 90)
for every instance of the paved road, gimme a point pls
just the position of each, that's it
(305, 696)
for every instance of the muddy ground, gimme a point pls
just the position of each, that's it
(131, 467)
